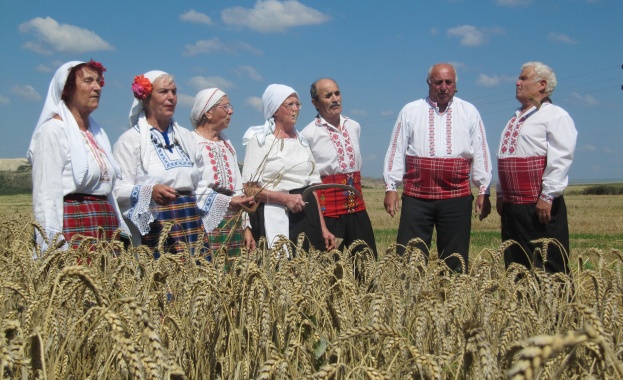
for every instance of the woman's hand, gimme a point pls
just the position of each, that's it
(163, 194)
(249, 242)
(235, 202)
(295, 203)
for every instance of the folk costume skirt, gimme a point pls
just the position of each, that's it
(185, 231)
(228, 236)
(88, 215)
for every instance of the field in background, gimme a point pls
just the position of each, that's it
(595, 221)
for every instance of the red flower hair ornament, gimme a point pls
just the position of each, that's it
(99, 68)
(141, 87)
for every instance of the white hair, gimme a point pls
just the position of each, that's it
(542, 72)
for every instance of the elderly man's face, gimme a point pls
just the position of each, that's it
(442, 85)
(528, 88)
(329, 102)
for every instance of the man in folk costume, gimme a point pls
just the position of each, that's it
(534, 157)
(436, 144)
(334, 141)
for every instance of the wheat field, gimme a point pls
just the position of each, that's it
(103, 312)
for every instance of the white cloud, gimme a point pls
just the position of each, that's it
(196, 17)
(215, 45)
(255, 103)
(493, 80)
(583, 100)
(43, 68)
(50, 36)
(387, 113)
(269, 16)
(559, 37)
(512, 3)
(358, 112)
(26, 92)
(201, 83)
(185, 100)
(470, 35)
(250, 72)
(587, 148)
(4, 100)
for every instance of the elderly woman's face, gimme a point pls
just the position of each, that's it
(161, 104)
(289, 110)
(220, 114)
(86, 95)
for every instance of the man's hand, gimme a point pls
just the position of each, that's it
(543, 211)
(391, 202)
(483, 206)
(329, 239)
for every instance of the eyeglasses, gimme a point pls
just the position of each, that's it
(226, 107)
(291, 105)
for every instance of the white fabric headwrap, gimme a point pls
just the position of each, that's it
(204, 100)
(273, 98)
(137, 117)
(54, 105)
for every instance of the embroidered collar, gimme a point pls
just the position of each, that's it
(436, 107)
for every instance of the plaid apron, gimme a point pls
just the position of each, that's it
(88, 215)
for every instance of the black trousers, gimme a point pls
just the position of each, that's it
(521, 223)
(451, 217)
(351, 227)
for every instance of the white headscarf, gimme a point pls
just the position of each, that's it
(272, 99)
(137, 117)
(204, 100)
(54, 105)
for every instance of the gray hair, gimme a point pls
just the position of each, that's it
(430, 72)
(542, 72)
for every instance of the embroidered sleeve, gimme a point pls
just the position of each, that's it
(393, 168)
(213, 210)
(140, 214)
(481, 164)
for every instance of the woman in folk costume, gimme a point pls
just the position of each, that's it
(159, 174)
(280, 165)
(73, 169)
(217, 161)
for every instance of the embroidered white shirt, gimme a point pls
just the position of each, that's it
(548, 132)
(336, 151)
(421, 130)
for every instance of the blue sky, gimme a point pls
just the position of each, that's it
(378, 51)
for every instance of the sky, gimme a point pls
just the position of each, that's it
(378, 52)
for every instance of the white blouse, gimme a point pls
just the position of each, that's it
(168, 165)
(52, 176)
(279, 165)
(217, 162)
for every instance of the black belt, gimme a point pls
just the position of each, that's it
(184, 193)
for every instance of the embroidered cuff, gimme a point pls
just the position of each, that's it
(214, 210)
(483, 190)
(390, 187)
(140, 213)
(546, 198)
